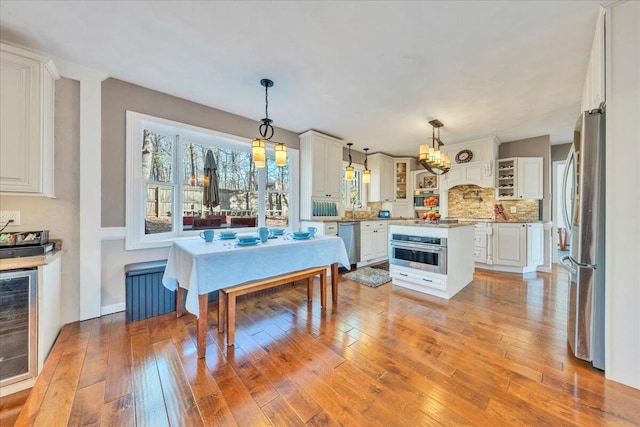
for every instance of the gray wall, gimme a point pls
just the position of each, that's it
(60, 215)
(119, 96)
(538, 146)
(560, 152)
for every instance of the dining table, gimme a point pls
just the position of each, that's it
(202, 267)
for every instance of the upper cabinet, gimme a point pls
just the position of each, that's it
(593, 92)
(381, 188)
(402, 181)
(320, 171)
(520, 178)
(472, 162)
(26, 124)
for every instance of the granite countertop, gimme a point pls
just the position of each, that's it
(418, 223)
(375, 218)
(30, 261)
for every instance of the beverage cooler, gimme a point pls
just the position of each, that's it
(18, 326)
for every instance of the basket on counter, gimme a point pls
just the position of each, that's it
(24, 238)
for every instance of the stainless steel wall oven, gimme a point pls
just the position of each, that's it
(424, 253)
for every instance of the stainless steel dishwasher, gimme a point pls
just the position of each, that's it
(350, 234)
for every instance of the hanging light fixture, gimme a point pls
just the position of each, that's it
(349, 173)
(366, 175)
(258, 146)
(431, 158)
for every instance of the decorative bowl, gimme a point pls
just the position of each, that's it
(277, 231)
(301, 234)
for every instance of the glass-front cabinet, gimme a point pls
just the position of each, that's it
(426, 194)
(402, 168)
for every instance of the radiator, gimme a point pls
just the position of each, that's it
(146, 296)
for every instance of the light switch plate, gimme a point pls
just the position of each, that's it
(7, 215)
(512, 209)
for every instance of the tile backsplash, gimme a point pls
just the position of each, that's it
(471, 201)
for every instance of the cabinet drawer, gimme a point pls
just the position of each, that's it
(331, 228)
(480, 254)
(420, 279)
(373, 225)
(480, 227)
(480, 240)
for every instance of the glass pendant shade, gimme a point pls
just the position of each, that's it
(259, 153)
(281, 154)
(366, 176)
(349, 173)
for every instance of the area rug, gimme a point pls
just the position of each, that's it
(373, 277)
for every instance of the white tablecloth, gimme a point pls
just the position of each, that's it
(203, 267)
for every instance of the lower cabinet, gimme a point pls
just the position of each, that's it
(518, 245)
(328, 228)
(374, 242)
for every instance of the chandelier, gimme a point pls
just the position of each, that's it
(366, 175)
(431, 158)
(258, 146)
(349, 173)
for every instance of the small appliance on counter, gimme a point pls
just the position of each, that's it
(24, 243)
(384, 214)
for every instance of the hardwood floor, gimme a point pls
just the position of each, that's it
(495, 354)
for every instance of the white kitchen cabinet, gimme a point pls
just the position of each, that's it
(535, 244)
(328, 228)
(520, 178)
(518, 245)
(480, 242)
(49, 294)
(381, 188)
(26, 130)
(593, 92)
(374, 242)
(320, 170)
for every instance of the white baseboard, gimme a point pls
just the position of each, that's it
(113, 233)
(113, 308)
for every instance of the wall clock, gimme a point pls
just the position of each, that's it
(464, 156)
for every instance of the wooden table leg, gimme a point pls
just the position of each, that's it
(231, 319)
(201, 325)
(222, 310)
(334, 282)
(179, 301)
(309, 289)
(323, 288)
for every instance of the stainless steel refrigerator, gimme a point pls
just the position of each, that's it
(584, 208)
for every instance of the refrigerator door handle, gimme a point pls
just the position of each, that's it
(567, 265)
(576, 263)
(563, 197)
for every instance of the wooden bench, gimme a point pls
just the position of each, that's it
(201, 324)
(227, 296)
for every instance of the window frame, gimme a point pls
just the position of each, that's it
(135, 238)
(363, 189)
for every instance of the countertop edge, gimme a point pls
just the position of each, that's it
(30, 261)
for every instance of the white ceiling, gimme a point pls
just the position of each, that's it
(372, 73)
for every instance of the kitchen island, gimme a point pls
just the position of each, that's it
(436, 259)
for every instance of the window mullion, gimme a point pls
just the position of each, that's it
(177, 187)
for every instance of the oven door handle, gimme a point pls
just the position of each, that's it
(418, 246)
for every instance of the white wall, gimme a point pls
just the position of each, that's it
(623, 194)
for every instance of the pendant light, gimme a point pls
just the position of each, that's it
(431, 158)
(366, 175)
(349, 173)
(258, 146)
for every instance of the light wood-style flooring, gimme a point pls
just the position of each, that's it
(494, 355)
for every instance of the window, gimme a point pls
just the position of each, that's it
(354, 193)
(166, 183)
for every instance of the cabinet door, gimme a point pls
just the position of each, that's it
(509, 242)
(535, 245)
(387, 186)
(381, 242)
(367, 244)
(26, 128)
(402, 187)
(530, 178)
(318, 180)
(333, 169)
